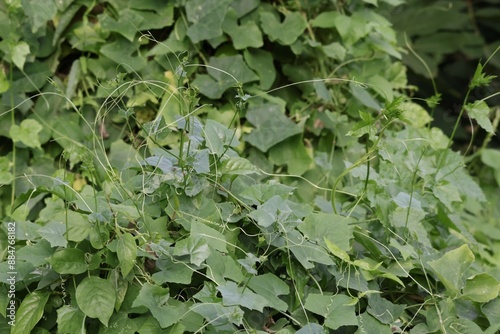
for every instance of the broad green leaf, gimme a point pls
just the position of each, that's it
(224, 72)
(261, 61)
(481, 288)
(126, 250)
(285, 32)
(312, 328)
(273, 211)
(218, 137)
(450, 268)
(126, 25)
(69, 261)
(337, 310)
(306, 252)
(96, 298)
(121, 52)
(479, 111)
(260, 193)
(383, 310)
(335, 228)
(270, 287)
(172, 272)
(195, 247)
(365, 126)
(39, 12)
(213, 238)
(54, 233)
(271, 126)
(293, 153)
(206, 17)
(364, 96)
(491, 157)
(30, 312)
(237, 166)
(233, 295)
(336, 251)
(35, 253)
(246, 35)
(325, 20)
(121, 323)
(243, 7)
(157, 300)
(27, 133)
(334, 50)
(4, 83)
(490, 310)
(219, 315)
(415, 115)
(368, 324)
(70, 320)
(19, 53)
(221, 266)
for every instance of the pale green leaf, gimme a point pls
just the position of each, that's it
(337, 229)
(271, 126)
(30, 312)
(219, 315)
(270, 287)
(39, 12)
(285, 32)
(238, 166)
(69, 261)
(27, 133)
(96, 298)
(157, 299)
(337, 310)
(19, 53)
(479, 111)
(126, 249)
(213, 238)
(195, 247)
(54, 232)
(206, 17)
(491, 157)
(218, 137)
(368, 324)
(481, 288)
(325, 20)
(172, 272)
(415, 115)
(70, 320)
(246, 35)
(121, 52)
(233, 295)
(450, 268)
(383, 310)
(262, 62)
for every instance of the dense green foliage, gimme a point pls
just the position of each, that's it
(222, 166)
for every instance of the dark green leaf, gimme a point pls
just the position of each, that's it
(232, 295)
(270, 287)
(157, 300)
(126, 250)
(285, 32)
(30, 312)
(96, 298)
(69, 261)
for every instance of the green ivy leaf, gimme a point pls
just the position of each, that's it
(26, 133)
(96, 298)
(157, 299)
(285, 32)
(39, 12)
(270, 287)
(69, 261)
(479, 111)
(233, 295)
(218, 137)
(246, 35)
(262, 62)
(271, 126)
(54, 232)
(19, 53)
(195, 247)
(450, 268)
(481, 288)
(126, 250)
(70, 320)
(207, 17)
(30, 312)
(237, 166)
(337, 310)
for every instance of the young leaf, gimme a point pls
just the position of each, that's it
(233, 295)
(479, 111)
(156, 299)
(479, 78)
(450, 268)
(481, 288)
(69, 261)
(126, 250)
(96, 298)
(26, 133)
(30, 312)
(337, 310)
(70, 320)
